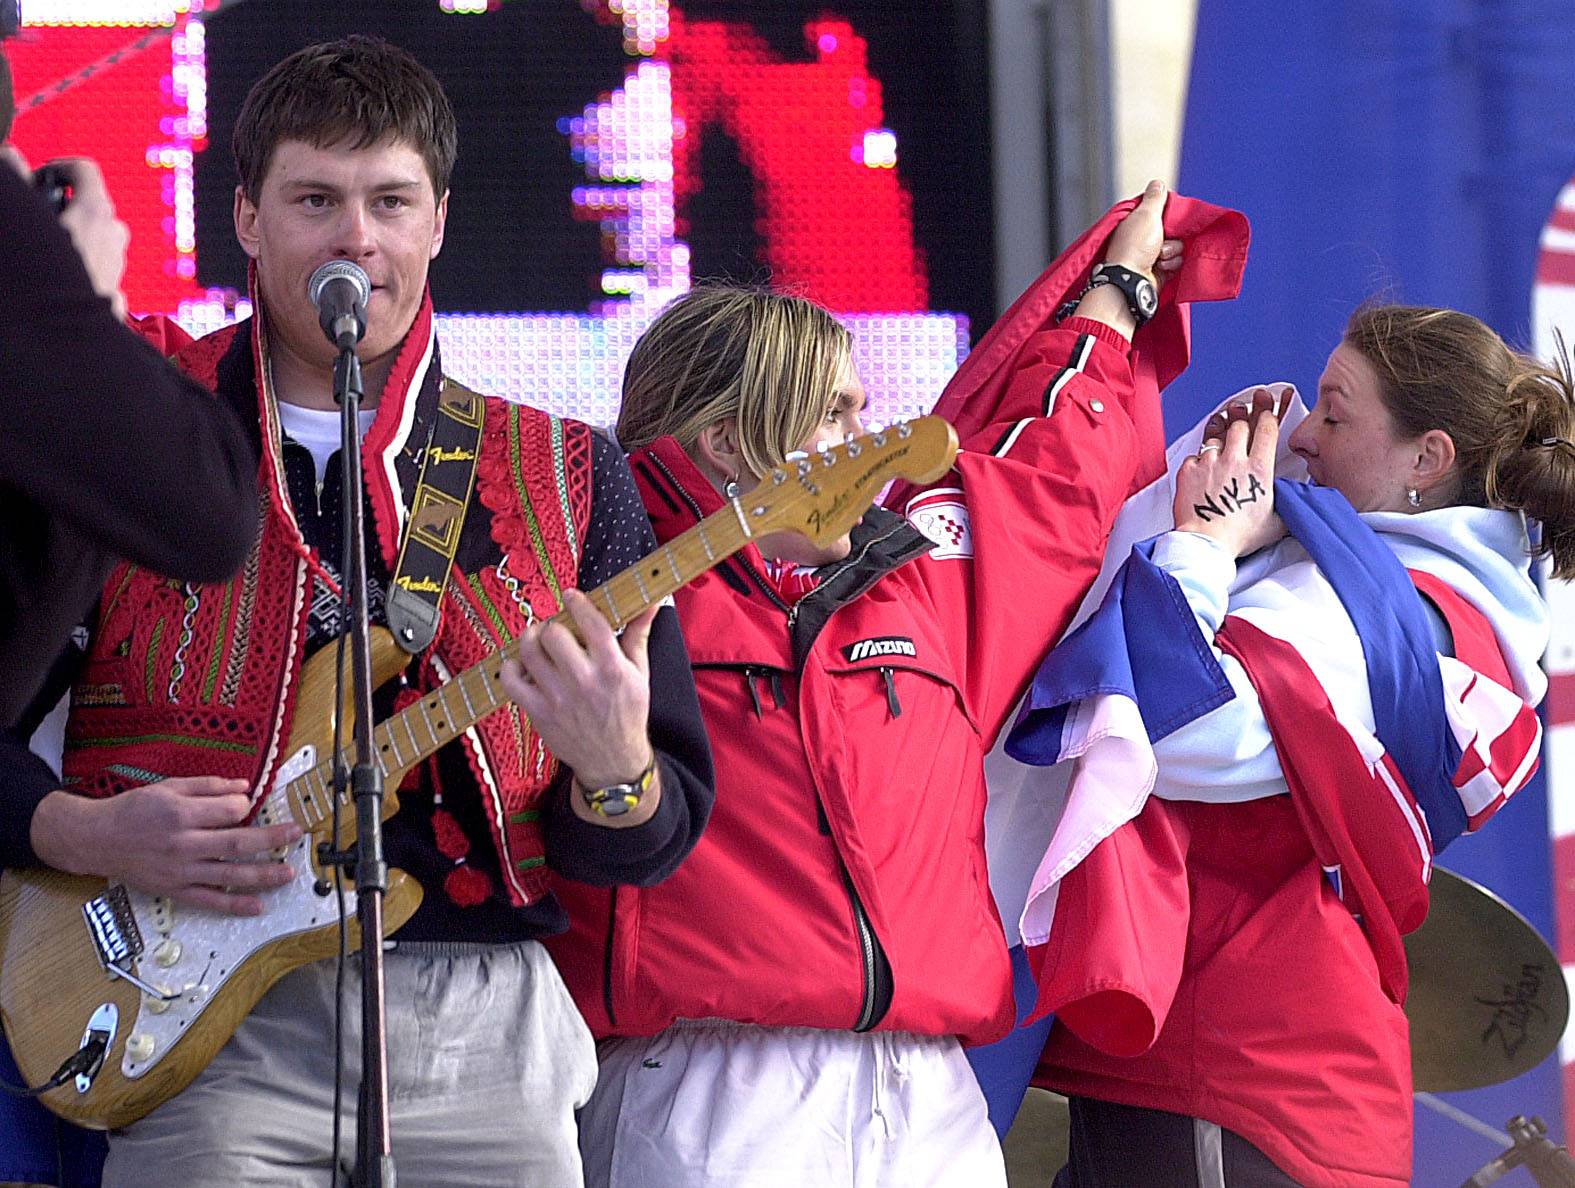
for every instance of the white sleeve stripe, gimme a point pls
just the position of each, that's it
(1011, 437)
(1080, 353)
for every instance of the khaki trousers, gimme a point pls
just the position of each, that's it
(488, 1060)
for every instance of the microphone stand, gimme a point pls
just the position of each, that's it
(374, 1167)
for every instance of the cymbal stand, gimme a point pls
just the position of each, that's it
(1550, 1165)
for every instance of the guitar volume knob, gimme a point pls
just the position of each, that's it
(167, 952)
(141, 1046)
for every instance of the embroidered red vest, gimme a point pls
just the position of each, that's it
(185, 679)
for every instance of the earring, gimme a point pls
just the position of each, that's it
(1413, 497)
(730, 488)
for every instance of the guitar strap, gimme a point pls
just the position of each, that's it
(437, 516)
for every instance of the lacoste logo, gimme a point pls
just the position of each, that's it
(885, 645)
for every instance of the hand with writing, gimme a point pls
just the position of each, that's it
(1226, 490)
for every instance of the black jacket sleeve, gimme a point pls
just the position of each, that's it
(619, 535)
(106, 451)
(95, 427)
(25, 780)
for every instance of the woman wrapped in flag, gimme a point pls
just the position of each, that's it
(1282, 709)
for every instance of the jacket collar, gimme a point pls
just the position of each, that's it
(677, 496)
(406, 412)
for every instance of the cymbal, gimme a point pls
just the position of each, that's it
(1036, 1145)
(1488, 1000)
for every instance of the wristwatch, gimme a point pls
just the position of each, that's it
(1142, 297)
(617, 799)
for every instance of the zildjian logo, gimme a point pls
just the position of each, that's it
(1515, 1010)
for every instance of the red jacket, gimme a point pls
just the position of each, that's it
(841, 880)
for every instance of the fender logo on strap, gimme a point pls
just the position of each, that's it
(884, 645)
(420, 585)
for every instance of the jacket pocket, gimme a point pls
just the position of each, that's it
(903, 684)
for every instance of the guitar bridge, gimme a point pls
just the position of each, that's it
(114, 928)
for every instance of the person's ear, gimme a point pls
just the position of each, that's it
(246, 223)
(1435, 460)
(717, 454)
(439, 221)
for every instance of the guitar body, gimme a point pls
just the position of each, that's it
(54, 979)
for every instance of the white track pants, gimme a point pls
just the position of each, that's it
(726, 1105)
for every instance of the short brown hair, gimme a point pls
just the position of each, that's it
(361, 90)
(769, 359)
(1511, 417)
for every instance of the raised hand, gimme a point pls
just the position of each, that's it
(101, 238)
(1226, 490)
(1139, 242)
(1139, 245)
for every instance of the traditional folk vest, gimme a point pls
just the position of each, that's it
(184, 679)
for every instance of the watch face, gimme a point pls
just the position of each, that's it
(1147, 298)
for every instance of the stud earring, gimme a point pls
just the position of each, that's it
(730, 488)
(1413, 497)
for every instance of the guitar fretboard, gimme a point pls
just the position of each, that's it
(415, 732)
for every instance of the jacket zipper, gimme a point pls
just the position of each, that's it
(861, 924)
(870, 1012)
(892, 703)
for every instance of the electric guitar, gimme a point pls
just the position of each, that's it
(125, 997)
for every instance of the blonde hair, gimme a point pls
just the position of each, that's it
(770, 360)
(1511, 417)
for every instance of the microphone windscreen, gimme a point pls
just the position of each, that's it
(339, 269)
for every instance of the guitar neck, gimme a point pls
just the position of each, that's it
(411, 735)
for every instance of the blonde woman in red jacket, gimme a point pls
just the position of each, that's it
(790, 1007)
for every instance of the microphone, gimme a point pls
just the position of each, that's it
(340, 290)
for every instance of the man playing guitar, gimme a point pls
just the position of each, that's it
(187, 691)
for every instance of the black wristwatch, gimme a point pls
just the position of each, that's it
(1142, 297)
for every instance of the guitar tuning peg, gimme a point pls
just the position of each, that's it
(879, 439)
(804, 468)
(904, 429)
(778, 476)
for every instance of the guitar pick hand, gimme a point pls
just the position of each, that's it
(184, 838)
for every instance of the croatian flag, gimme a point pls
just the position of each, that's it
(1450, 739)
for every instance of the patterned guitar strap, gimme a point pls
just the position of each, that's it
(437, 516)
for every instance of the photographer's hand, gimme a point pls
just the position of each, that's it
(99, 236)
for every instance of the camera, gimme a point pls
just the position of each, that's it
(54, 184)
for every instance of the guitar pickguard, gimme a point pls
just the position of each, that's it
(193, 953)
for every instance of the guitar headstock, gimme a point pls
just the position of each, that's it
(824, 494)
